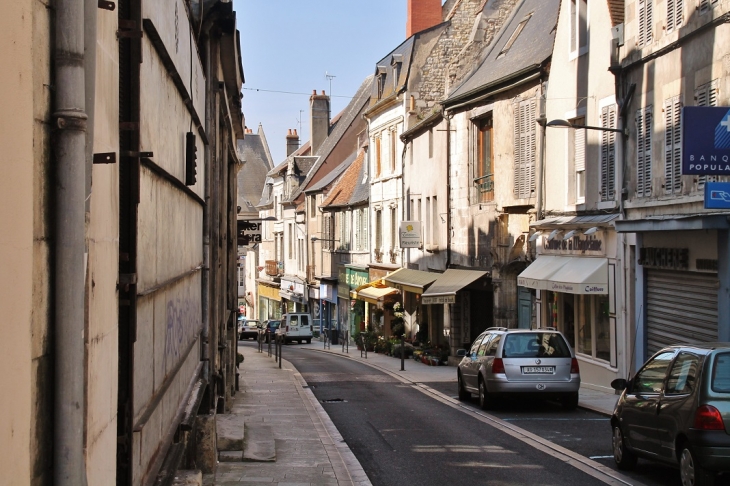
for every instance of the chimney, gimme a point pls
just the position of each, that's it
(422, 15)
(319, 119)
(292, 142)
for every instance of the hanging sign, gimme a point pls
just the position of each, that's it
(706, 140)
(410, 234)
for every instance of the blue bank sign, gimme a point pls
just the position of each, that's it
(717, 195)
(706, 136)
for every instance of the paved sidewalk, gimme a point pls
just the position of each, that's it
(417, 372)
(309, 449)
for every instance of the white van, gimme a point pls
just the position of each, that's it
(296, 327)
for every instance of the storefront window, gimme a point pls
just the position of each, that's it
(552, 314)
(603, 328)
(584, 321)
(568, 326)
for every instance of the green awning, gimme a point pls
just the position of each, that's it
(443, 290)
(415, 281)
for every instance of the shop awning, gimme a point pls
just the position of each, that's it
(408, 280)
(443, 290)
(572, 275)
(375, 295)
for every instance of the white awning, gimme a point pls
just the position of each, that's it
(572, 275)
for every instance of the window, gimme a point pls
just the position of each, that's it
(478, 341)
(485, 344)
(290, 242)
(393, 148)
(492, 350)
(328, 231)
(578, 26)
(361, 229)
(313, 206)
(675, 14)
(300, 257)
(721, 373)
(706, 95)
(683, 375)
(427, 229)
(345, 218)
(584, 321)
(643, 152)
(514, 36)
(707, 5)
(381, 82)
(435, 225)
(608, 154)
(651, 377)
(579, 160)
(419, 216)
(378, 230)
(393, 229)
(430, 143)
(378, 156)
(672, 146)
(646, 22)
(484, 168)
(524, 149)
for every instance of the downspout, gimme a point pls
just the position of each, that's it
(448, 117)
(542, 121)
(205, 277)
(70, 261)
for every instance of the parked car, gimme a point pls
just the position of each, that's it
(519, 362)
(676, 410)
(268, 328)
(296, 327)
(248, 329)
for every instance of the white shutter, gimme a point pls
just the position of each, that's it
(675, 14)
(643, 152)
(524, 148)
(608, 154)
(672, 146)
(646, 21)
(580, 150)
(707, 5)
(706, 95)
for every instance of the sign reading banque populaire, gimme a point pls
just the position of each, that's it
(706, 140)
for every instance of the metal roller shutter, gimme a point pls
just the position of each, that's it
(681, 307)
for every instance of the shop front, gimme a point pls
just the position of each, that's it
(327, 303)
(575, 282)
(351, 312)
(269, 302)
(453, 293)
(412, 284)
(681, 280)
(293, 294)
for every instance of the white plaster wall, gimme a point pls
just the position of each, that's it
(103, 240)
(16, 245)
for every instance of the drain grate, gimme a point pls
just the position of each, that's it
(334, 400)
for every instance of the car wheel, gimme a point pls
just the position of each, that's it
(691, 473)
(569, 401)
(463, 394)
(485, 400)
(624, 458)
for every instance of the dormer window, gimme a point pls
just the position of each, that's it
(396, 62)
(381, 80)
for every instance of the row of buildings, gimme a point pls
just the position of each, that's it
(512, 163)
(120, 137)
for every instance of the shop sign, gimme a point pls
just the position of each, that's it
(438, 299)
(592, 244)
(669, 258)
(248, 233)
(292, 286)
(572, 288)
(410, 234)
(343, 289)
(355, 278)
(706, 140)
(717, 195)
(269, 292)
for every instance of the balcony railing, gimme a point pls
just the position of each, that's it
(484, 187)
(274, 268)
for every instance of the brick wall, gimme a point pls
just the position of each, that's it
(422, 14)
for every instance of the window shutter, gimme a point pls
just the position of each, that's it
(580, 150)
(643, 152)
(706, 5)
(706, 95)
(675, 14)
(517, 152)
(608, 154)
(524, 148)
(672, 146)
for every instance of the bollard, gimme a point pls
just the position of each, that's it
(268, 343)
(347, 342)
(403, 352)
(281, 347)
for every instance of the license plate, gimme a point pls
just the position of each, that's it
(538, 370)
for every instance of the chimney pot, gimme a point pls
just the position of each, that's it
(323, 93)
(314, 92)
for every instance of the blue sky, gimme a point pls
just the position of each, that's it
(289, 45)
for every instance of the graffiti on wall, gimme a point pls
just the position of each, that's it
(183, 324)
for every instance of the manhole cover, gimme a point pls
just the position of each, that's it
(334, 400)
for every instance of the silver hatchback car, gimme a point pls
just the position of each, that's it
(503, 362)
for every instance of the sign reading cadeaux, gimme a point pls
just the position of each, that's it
(410, 234)
(706, 140)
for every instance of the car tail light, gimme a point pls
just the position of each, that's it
(574, 368)
(708, 417)
(498, 366)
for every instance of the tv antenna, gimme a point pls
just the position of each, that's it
(329, 77)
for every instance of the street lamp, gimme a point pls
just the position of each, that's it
(567, 124)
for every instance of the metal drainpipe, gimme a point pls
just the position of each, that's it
(542, 121)
(205, 277)
(448, 116)
(69, 292)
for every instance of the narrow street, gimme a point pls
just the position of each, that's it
(403, 434)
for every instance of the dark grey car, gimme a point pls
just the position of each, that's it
(676, 410)
(508, 362)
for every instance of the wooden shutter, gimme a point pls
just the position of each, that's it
(646, 22)
(524, 148)
(643, 152)
(706, 95)
(580, 150)
(707, 5)
(608, 154)
(672, 146)
(675, 14)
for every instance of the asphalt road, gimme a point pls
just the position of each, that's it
(401, 435)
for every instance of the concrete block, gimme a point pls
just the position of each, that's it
(188, 478)
(230, 431)
(259, 445)
(230, 456)
(206, 454)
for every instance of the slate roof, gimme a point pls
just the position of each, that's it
(529, 51)
(336, 172)
(252, 177)
(349, 189)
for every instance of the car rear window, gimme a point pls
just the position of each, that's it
(535, 345)
(721, 373)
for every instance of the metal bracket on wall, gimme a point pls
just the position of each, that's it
(137, 155)
(107, 5)
(105, 158)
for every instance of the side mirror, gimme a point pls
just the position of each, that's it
(619, 384)
(460, 353)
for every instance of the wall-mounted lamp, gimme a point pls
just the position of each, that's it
(590, 231)
(570, 234)
(554, 234)
(567, 124)
(535, 236)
